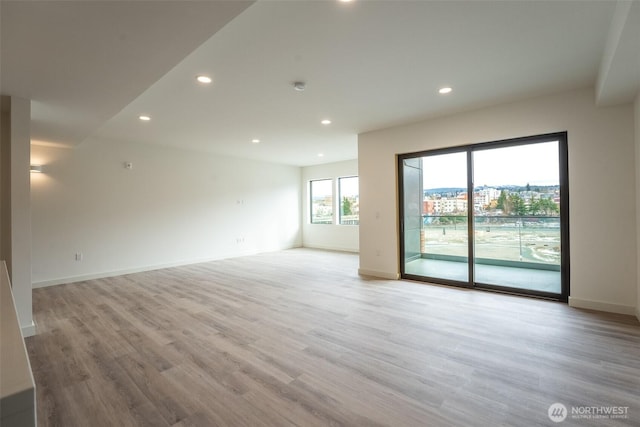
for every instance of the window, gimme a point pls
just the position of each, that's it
(349, 200)
(321, 192)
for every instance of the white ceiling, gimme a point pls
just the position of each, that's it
(81, 62)
(92, 67)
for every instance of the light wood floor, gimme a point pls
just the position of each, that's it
(297, 338)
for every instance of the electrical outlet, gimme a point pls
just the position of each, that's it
(79, 256)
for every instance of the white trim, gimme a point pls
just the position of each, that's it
(379, 274)
(331, 248)
(602, 306)
(103, 275)
(29, 330)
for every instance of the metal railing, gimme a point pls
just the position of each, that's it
(328, 219)
(498, 239)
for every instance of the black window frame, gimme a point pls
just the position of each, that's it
(563, 160)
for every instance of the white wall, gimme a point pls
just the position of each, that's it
(173, 207)
(325, 236)
(601, 186)
(637, 138)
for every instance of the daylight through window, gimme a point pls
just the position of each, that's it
(349, 200)
(321, 192)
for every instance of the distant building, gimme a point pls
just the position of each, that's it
(485, 196)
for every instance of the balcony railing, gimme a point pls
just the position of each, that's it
(328, 219)
(518, 241)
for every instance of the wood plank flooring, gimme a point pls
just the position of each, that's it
(296, 338)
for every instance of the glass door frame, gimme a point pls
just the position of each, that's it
(563, 160)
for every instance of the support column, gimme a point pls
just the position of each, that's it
(16, 204)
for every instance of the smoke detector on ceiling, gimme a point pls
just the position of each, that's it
(299, 86)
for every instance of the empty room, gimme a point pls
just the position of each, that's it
(320, 213)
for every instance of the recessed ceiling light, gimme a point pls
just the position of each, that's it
(255, 141)
(144, 118)
(345, 1)
(445, 90)
(326, 122)
(320, 155)
(204, 79)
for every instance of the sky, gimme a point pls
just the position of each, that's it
(535, 164)
(348, 186)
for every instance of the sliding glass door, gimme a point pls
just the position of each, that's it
(442, 208)
(492, 216)
(517, 217)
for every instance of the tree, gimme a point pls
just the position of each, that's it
(548, 207)
(535, 208)
(346, 207)
(543, 207)
(502, 200)
(517, 205)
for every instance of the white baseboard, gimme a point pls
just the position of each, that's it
(103, 275)
(29, 330)
(602, 306)
(378, 274)
(332, 248)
